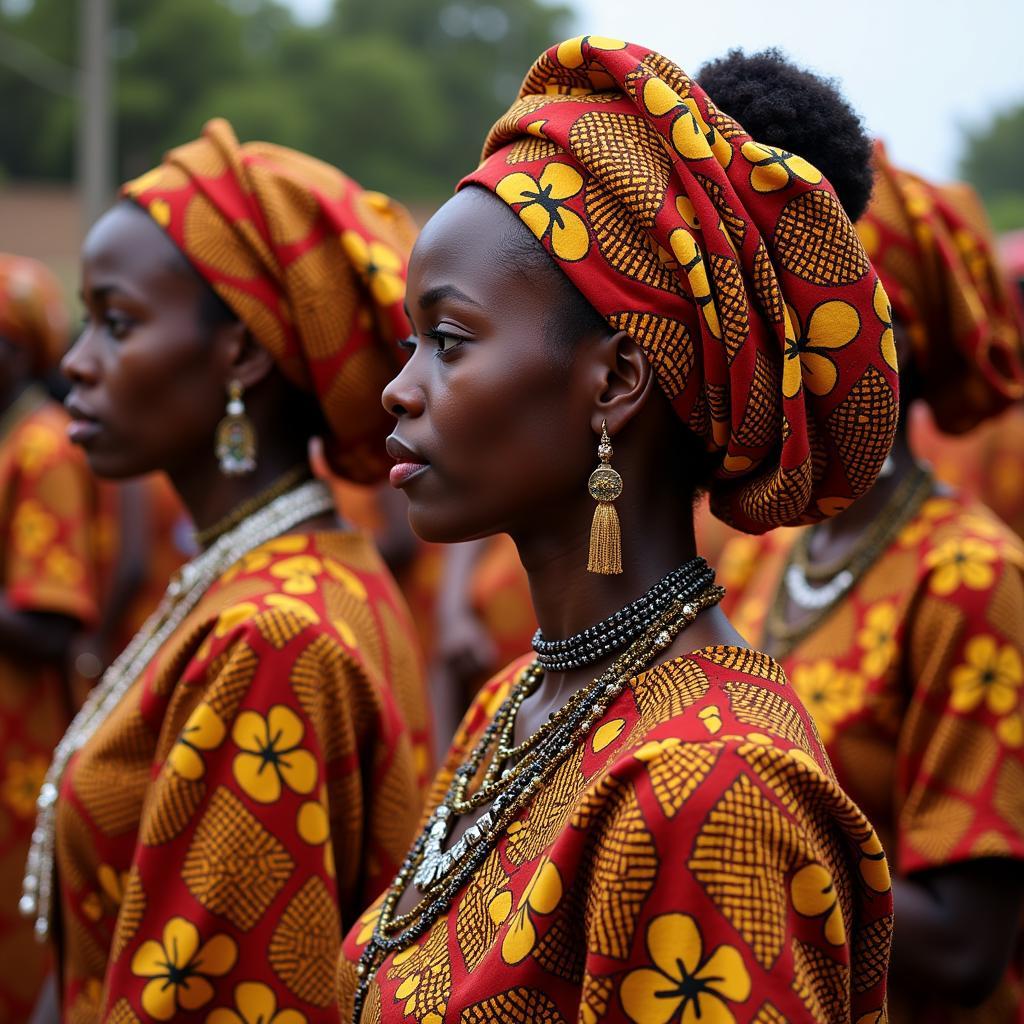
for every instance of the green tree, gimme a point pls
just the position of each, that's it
(993, 162)
(399, 93)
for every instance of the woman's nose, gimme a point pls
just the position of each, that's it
(403, 397)
(78, 364)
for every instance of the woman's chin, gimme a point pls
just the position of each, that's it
(436, 526)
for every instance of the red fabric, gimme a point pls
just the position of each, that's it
(32, 312)
(732, 264)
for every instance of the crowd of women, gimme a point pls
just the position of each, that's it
(699, 798)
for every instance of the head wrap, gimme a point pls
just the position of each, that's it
(934, 252)
(32, 312)
(311, 263)
(731, 263)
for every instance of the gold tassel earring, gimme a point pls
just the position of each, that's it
(605, 486)
(236, 436)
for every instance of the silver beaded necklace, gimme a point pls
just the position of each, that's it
(183, 593)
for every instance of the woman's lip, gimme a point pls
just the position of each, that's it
(403, 472)
(83, 431)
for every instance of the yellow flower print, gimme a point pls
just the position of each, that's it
(775, 168)
(271, 754)
(814, 895)
(883, 310)
(61, 565)
(34, 528)
(368, 922)
(259, 558)
(1010, 730)
(542, 207)
(830, 693)
(293, 606)
(112, 883)
(204, 730)
(694, 139)
(346, 577)
(711, 716)
(255, 1003)
(686, 210)
(955, 563)
(379, 266)
(691, 259)
(541, 896)
(607, 733)
(832, 325)
(922, 524)
(314, 827)
(683, 985)
(234, 616)
(180, 969)
(298, 573)
(991, 673)
(22, 785)
(570, 53)
(37, 445)
(874, 868)
(877, 637)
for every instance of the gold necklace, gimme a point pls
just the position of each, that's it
(292, 478)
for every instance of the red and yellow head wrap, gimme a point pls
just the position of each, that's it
(32, 312)
(933, 250)
(311, 263)
(732, 264)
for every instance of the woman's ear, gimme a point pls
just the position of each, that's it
(622, 379)
(245, 360)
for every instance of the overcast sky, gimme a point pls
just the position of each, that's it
(915, 69)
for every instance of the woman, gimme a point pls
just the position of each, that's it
(640, 824)
(243, 779)
(48, 590)
(901, 625)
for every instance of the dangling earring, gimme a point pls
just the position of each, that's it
(605, 486)
(236, 436)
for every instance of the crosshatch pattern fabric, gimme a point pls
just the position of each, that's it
(731, 263)
(309, 261)
(916, 683)
(934, 251)
(46, 503)
(250, 795)
(693, 860)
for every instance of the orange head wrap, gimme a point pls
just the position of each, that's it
(732, 264)
(32, 312)
(933, 249)
(311, 263)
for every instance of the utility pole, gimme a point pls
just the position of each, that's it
(95, 122)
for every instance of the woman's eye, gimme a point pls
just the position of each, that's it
(118, 326)
(445, 342)
(408, 344)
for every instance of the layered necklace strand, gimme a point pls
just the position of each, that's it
(183, 593)
(596, 642)
(509, 789)
(834, 580)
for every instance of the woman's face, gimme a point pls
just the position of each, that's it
(493, 413)
(146, 392)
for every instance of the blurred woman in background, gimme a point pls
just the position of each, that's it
(900, 623)
(243, 779)
(47, 502)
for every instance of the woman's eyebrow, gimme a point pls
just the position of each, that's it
(445, 291)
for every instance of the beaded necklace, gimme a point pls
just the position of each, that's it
(622, 627)
(513, 789)
(183, 593)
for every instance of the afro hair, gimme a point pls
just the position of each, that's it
(791, 108)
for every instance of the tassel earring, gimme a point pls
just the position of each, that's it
(236, 436)
(605, 486)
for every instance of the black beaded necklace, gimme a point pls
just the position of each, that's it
(621, 628)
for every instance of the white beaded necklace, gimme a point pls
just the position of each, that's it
(183, 593)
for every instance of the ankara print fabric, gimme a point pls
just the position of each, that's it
(46, 502)
(252, 792)
(694, 860)
(310, 262)
(731, 263)
(916, 683)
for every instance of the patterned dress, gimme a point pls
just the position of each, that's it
(46, 500)
(693, 861)
(248, 797)
(916, 683)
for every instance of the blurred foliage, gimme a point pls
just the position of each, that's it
(993, 162)
(399, 93)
